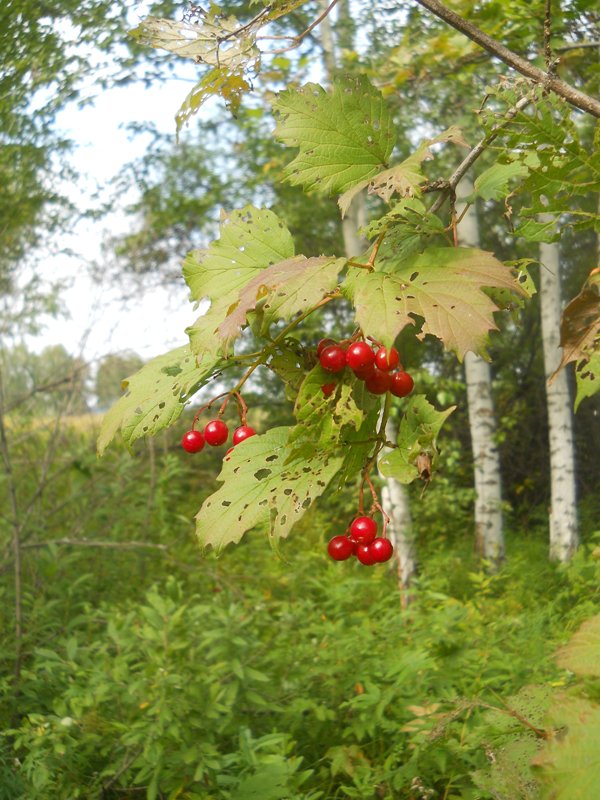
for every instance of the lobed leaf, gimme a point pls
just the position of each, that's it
(264, 489)
(156, 395)
(251, 240)
(345, 136)
(580, 329)
(492, 184)
(581, 654)
(417, 433)
(443, 285)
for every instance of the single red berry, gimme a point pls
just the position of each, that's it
(387, 360)
(192, 441)
(328, 389)
(365, 373)
(323, 344)
(401, 384)
(363, 530)
(333, 358)
(381, 550)
(216, 432)
(359, 355)
(364, 555)
(378, 383)
(340, 548)
(242, 433)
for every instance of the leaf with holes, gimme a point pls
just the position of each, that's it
(251, 240)
(220, 82)
(581, 654)
(403, 179)
(345, 136)
(262, 489)
(323, 421)
(569, 764)
(580, 325)
(283, 290)
(587, 378)
(409, 227)
(443, 286)
(492, 184)
(417, 434)
(156, 395)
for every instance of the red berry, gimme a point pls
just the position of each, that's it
(192, 441)
(378, 383)
(364, 555)
(363, 530)
(328, 389)
(381, 550)
(323, 344)
(387, 360)
(340, 548)
(365, 373)
(216, 432)
(401, 384)
(333, 358)
(359, 355)
(242, 433)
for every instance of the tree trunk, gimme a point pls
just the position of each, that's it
(563, 509)
(489, 535)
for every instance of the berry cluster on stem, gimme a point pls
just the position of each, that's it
(216, 432)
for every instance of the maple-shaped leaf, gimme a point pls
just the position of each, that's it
(442, 285)
(283, 289)
(264, 489)
(417, 434)
(251, 240)
(493, 183)
(581, 654)
(580, 325)
(345, 136)
(213, 39)
(156, 395)
(403, 179)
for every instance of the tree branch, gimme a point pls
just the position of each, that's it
(96, 543)
(569, 93)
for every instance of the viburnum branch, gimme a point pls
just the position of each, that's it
(448, 187)
(569, 93)
(375, 250)
(549, 58)
(297, 40)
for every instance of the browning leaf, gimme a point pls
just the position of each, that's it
(580, 324)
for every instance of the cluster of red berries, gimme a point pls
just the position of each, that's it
(361, 541)
(380, 369)
(215, 433)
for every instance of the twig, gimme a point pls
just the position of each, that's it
(569, 93)
(96, 543)
(548, 57)
(296, 40)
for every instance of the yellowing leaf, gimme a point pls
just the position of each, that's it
(263, 489)
(251, 240)
(283, 289)
(443, 286)
(345, 136)
(156, 395)
(231, 86)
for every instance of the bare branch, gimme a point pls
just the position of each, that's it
(569, 93)
(549, 58)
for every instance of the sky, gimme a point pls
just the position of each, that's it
(97, 320)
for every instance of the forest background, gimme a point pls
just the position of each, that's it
(135, 664)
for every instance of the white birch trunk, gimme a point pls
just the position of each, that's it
(563, 509)
(489, 535)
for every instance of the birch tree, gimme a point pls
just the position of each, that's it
(489, 535)
(563, 510)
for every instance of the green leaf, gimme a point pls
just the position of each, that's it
(402, 179)
(570, 762)
(408, 228)
(345, 136)
(581, 654)
(251, 240)
(493, 183)
(510, 774)
(587, 378)
(156, 395)
(443, 285)
(263, 489)
(283, 290)
(417, 434)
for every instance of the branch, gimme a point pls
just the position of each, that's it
(550, 66)
(569, 93)
(96, 543)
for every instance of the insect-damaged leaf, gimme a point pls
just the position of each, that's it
(251, 240)
(283, 289)
(263, 489)
(156, 395)
(443, 285)
(345, 136)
